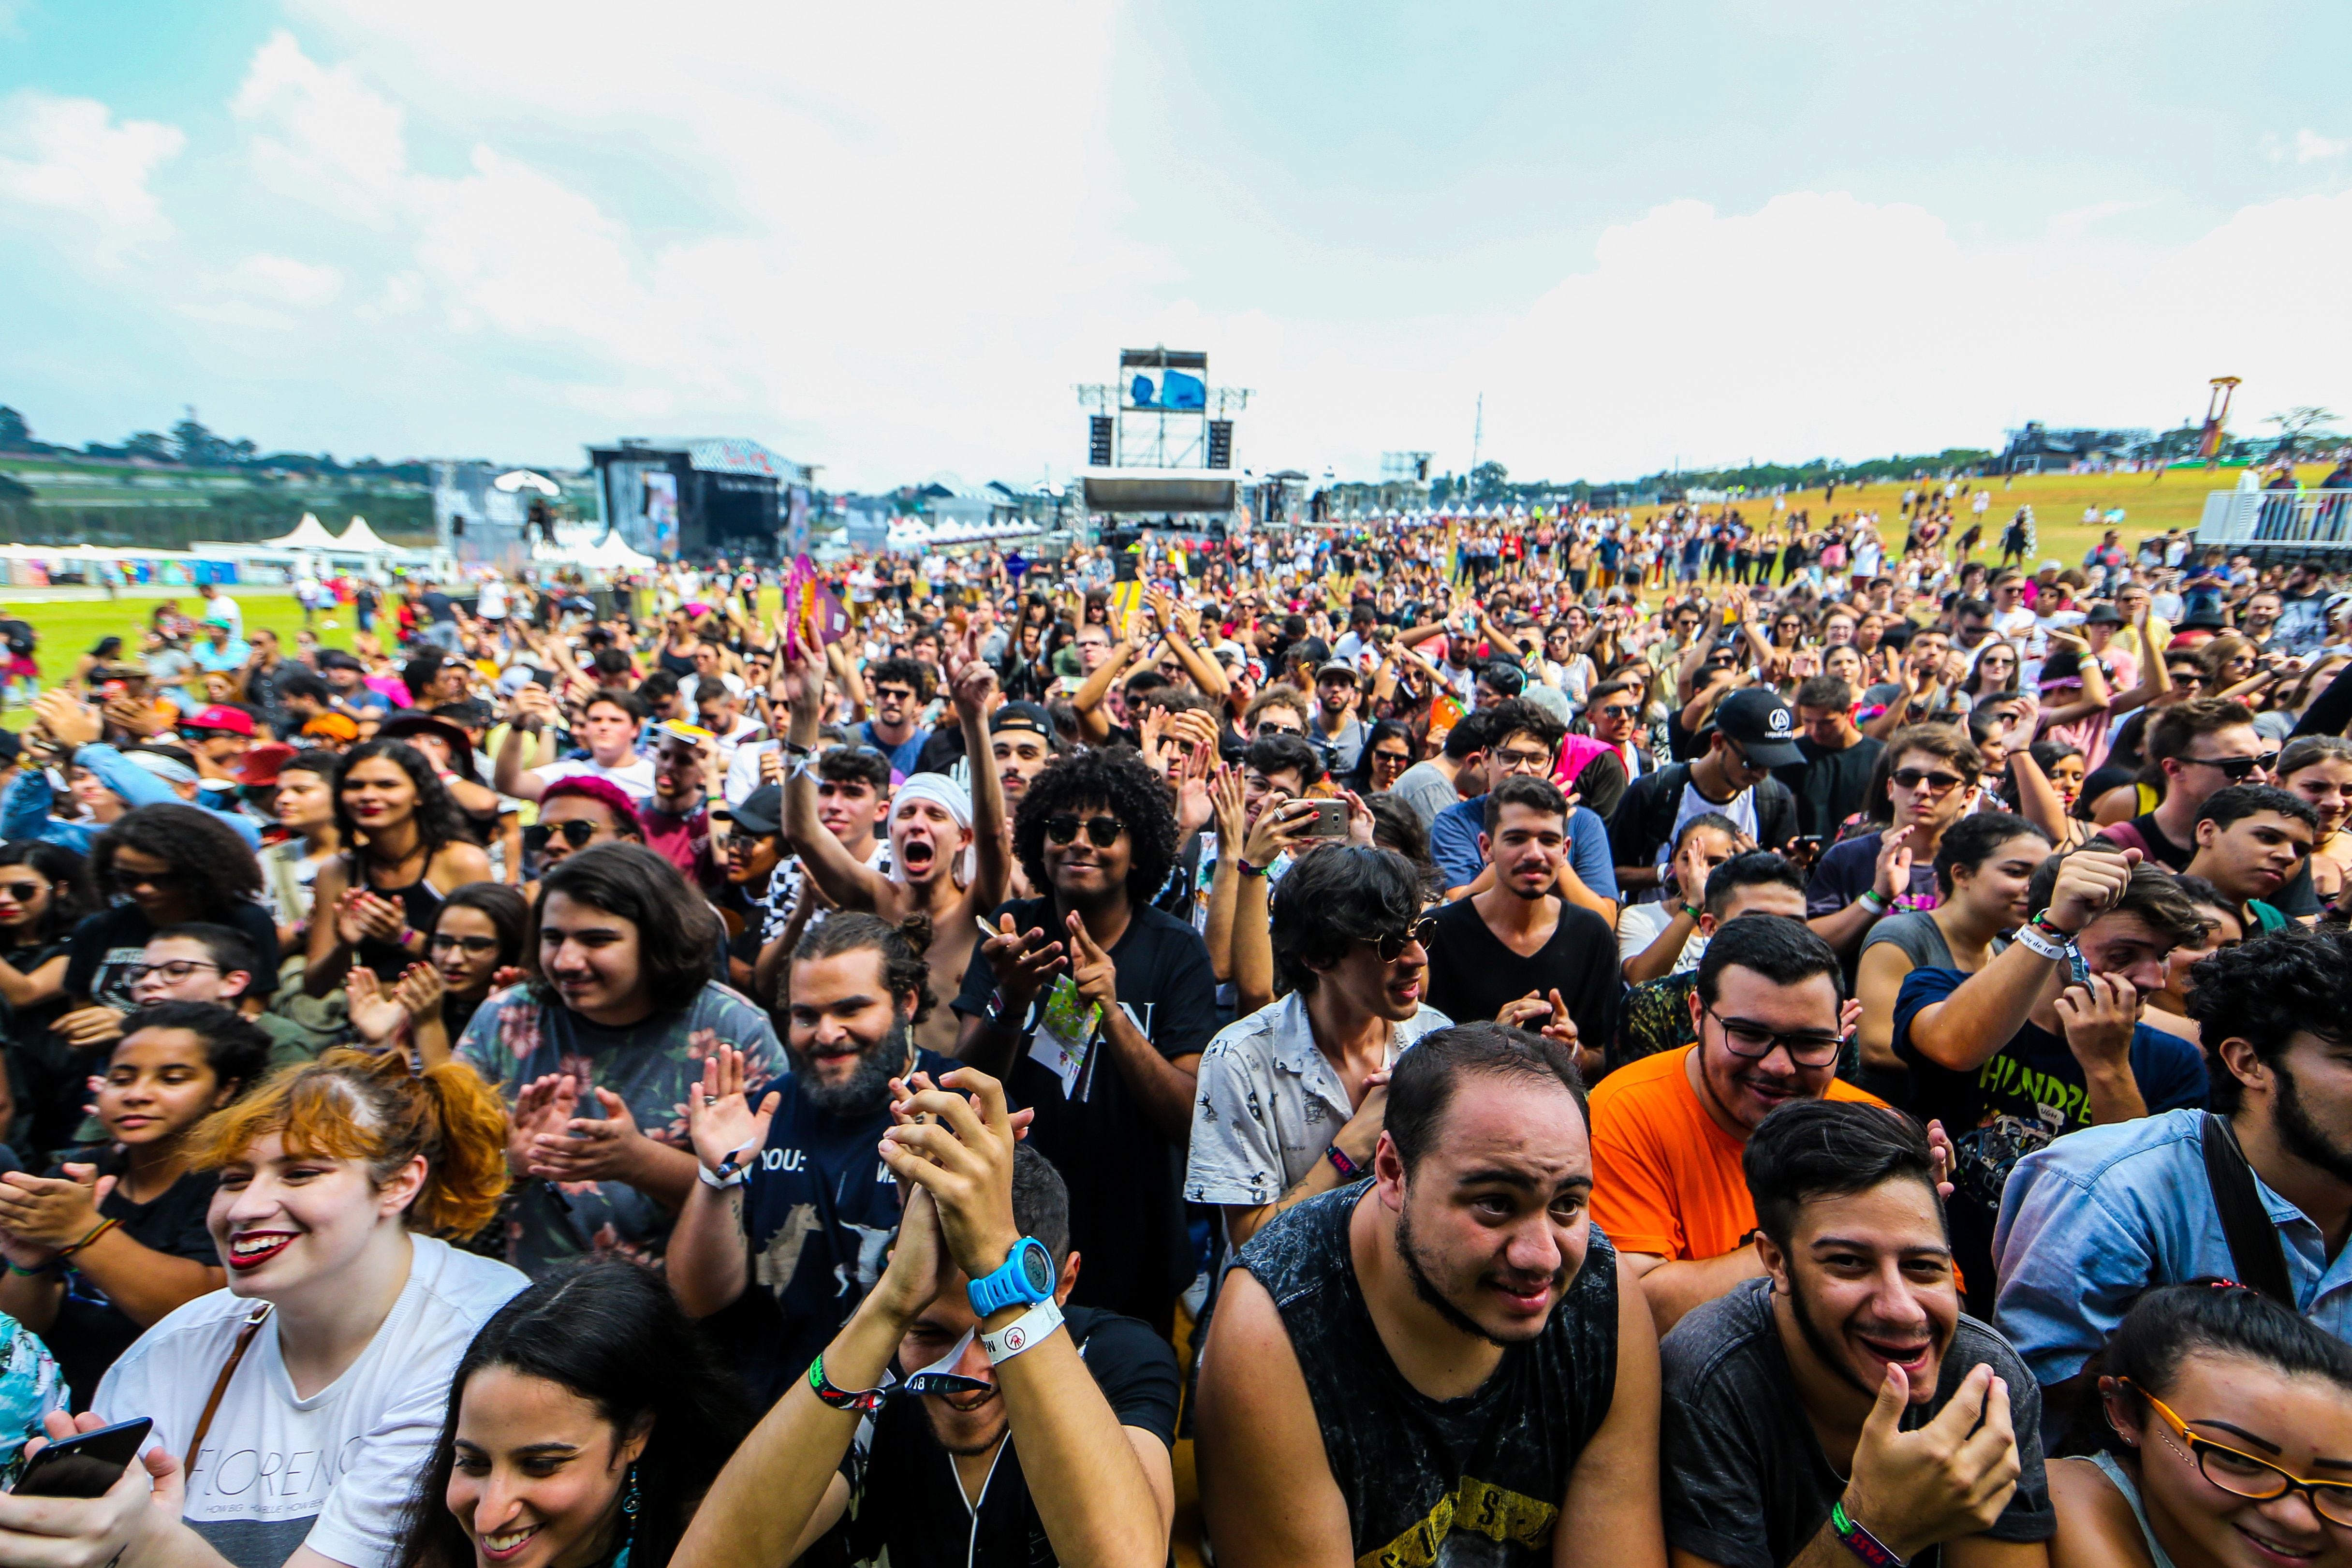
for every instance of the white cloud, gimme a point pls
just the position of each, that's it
(2307, 147)
(283, 278)
(2080, 218)
(1821, 323)
(320, 134)
(69, 157)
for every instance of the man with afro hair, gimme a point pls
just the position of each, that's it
(1094, 1007)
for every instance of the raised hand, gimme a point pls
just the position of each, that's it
(954, 1140)
(1951, 1477)
(2099, 1019)
(720, 1119)
(1226, 800)
(1023, 961)
(378, 1017)
(1092, 970)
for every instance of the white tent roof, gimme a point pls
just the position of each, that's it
(360, 539)
(612, 551)
(519, 478)
(308, 535)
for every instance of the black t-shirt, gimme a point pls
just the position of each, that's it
(2160, 848)
(905, 1507)
(1474, 1480)
(1471, 973)
(51, 1079)
(819, 1212)
(2028, 1093)
(1125, 1178)
(1830, 786)
(90, 1330)
(437, 606)
(109, 944)
(1745, 1483)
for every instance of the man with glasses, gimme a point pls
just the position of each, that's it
(1292, 1099)
(2045, 1039)
(1840, 1407)
(574, 813)
(2094, 1219)
(1094, 1006)
(1612, 712)
(899, 689)
(198, 962)
(1932, 785)
(1769, 1004)
(1523, 741)
(2203, 746)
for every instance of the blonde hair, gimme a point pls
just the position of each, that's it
(357, 1105)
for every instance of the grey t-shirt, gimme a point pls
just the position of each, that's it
(1426, 791)
(1746, 1484)
(1916, 933)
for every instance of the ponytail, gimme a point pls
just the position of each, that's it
(359, 1105)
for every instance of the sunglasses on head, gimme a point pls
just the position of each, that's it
(1101, 832)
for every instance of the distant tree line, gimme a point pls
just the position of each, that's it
(190, 443)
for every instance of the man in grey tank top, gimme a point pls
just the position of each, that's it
(1445, 1361)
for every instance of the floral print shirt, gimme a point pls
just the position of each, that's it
(515, 1038)
(30, 1388)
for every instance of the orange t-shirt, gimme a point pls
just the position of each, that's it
(1666, 1179)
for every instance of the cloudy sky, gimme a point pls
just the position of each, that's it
(889, 239)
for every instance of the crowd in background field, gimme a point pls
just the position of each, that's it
(1774, 1031)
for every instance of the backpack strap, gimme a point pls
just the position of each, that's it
(253, 1322)
(2255, 1254)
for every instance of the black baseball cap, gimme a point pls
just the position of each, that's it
(762, 813)
(1021, 716)
(2102, 614)
(1762, 724)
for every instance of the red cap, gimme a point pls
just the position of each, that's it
(259, 766)
(237, 721)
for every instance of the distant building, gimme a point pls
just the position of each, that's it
(2038, 449)
(693, 498)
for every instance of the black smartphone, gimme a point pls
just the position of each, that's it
(84, 1466)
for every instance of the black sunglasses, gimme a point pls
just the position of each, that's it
(575, 833)
(1101, 832)
(1391, 946)
(2235, 769)
(1939, 783)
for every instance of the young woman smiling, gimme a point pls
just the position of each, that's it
(1982, 867)
(405, 849)
(101, 1247)
(584, 1424)
(2230, 1425)
(328, 1358)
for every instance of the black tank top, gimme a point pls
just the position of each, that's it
(1490, 1468)
(421, 906)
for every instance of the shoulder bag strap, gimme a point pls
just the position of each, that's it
(2255, 1253)
(253, 1322)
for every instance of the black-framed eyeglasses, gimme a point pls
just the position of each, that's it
(173, 971)
(1390, 946)
(1937, 783)
(1754, 1042)
(2236, 768)
(2243, 1475)
(1101, 832)
(444, 941)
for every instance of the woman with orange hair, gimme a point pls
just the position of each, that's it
(293, 1409)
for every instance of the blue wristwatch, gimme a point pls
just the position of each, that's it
(1027, 1277)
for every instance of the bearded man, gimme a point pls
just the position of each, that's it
(791, 1223)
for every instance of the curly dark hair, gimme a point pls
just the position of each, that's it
(912, 673)
(2265, 991)
(902, 947)
(439, 821)
(1117, 780)
(677, 929)
(218, 874)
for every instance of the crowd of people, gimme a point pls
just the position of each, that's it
(1572, 1038)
